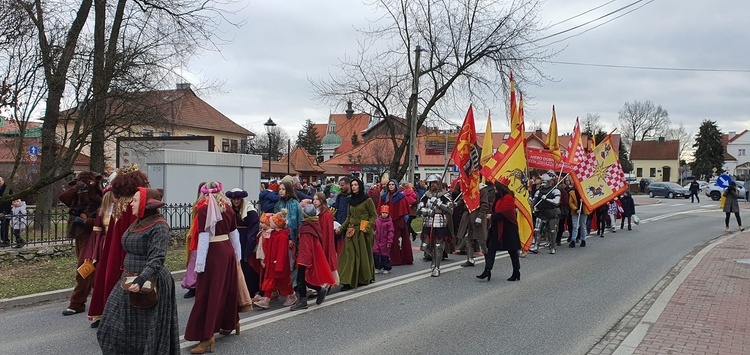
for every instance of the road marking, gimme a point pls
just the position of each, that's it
(678, 204)
(266, 317)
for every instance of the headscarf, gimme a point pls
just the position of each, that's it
(213, 215)
(387, 196)
(360, 196)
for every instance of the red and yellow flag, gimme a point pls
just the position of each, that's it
(599, 176)
(510, 161)
(552, 140)
(574, 153)
(466, 156)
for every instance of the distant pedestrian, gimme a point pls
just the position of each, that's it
(269, 196)
(19, 221)
(731, 205)
(601, 219)
(628, 209)
(613, 209)
(694, 189)
(643, 184)
(747, 190)
(580, 215)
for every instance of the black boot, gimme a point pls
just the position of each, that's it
(190, 293)
(486, 274)
(515, 276)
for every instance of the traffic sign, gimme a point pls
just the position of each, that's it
(723, 180)
(33, 150)
(32, 158)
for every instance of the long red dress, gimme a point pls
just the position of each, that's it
(216, 293)
(109, 265)
(401, 253)
(277, 272)
(325, 219)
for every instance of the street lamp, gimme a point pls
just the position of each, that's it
(270, 124)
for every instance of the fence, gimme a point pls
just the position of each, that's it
(50, 227)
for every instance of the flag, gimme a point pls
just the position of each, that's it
(466, 156)
(513, 108)
(487, 142)
(599, 176)
(552, 144)
(510, 161)
(574, 153)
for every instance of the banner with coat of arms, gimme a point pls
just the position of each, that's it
(599, 176)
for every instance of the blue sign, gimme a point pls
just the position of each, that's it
(33, 150)
(455, 168)
(723, 180)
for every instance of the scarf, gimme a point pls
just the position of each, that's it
(213, 215)
(360, 196)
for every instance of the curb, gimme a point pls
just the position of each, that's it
(52, 296)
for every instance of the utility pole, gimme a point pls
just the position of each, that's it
(413, 119)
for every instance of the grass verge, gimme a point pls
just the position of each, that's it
(56, 274)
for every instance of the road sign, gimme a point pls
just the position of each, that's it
(33, 150)
(32, 158)
(714, 169)
(723, 180)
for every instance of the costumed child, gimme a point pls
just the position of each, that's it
(613, 209)
(191, 246)
(325, 219)
(264, 234)
(277, 272)
(383, 239)
(312, 267)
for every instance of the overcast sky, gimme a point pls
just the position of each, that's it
(265, 69)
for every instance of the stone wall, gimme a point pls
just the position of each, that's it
(31, 254)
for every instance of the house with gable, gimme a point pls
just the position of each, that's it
(657, 159)
(177, 112)
(736, 158)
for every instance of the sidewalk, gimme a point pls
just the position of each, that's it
(704, 308)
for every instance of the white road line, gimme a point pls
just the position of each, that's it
(678, 204)
(266, 317)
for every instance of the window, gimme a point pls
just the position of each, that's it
(147, 133)
(225, 145)
(191, 135)
(164, 134)
(639, 172)
(234, 146)
(741, 152)
(652, 172)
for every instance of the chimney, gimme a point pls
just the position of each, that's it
(732, 134)
(349, 110)
(661, 139)
(183, 86)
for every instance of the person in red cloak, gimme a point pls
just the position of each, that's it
(325, 219)
(503, 234)
(401, 252)
(312, 267)
(277, 270)
(109, 267)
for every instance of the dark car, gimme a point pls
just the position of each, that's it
(667, 189)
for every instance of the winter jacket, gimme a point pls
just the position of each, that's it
(268, 200)
(731, 205)
(383, 236)
(342, 207)
(293, 217)
(628, 206)
(19, 216)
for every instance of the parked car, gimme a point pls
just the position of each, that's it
(667, 189)
(714, 191)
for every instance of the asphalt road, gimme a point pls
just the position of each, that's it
(564, 303)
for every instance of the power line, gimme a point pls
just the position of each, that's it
(599, 25)
(587, 22)
(582, 13)
(654, 68)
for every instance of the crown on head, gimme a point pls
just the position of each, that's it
(128, 169)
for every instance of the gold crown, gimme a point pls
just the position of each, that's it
(128, 169)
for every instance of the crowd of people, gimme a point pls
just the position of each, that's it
(301, 243)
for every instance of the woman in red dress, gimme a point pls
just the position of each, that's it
(401, 253)
(215, 307)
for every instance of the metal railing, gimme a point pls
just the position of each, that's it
(49, 227)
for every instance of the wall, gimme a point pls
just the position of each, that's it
(646, 165)
(179, 172)
(35, 254)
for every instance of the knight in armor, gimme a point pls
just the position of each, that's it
(436, 206)
(546, 202)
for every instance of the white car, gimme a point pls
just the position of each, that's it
(714, 191)
(701, 186)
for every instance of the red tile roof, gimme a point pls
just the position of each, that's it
(345, 128)
(736, 136)
(303, 161)
(655, 150)
(182, 107)
(11, 125)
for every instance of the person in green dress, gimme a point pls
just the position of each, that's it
(356, 263)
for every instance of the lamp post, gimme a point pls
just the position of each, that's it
(270, 124)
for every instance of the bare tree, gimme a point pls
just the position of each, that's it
(592, 124)
(640, 120)
(470, 47)
(380, 154)
(686, 139)
(279, 139)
